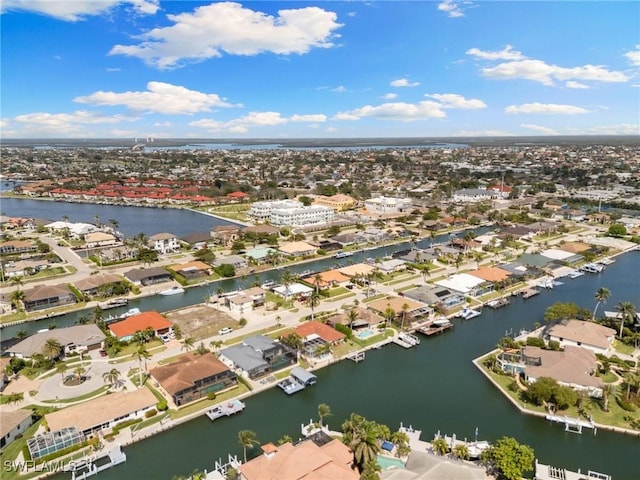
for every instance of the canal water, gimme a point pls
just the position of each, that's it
(433, 387)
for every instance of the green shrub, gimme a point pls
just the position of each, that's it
(150, 413)
(625, 405)
(161, 406)
(536, 342)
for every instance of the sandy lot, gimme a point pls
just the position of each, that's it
(201, 321)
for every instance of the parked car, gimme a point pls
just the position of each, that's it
(225, 330)
(165, 337)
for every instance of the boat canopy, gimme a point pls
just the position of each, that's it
(304, 377)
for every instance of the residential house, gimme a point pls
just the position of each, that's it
(17, 246)
(574, 367)
(103, 412)
(262, 254)
(257, 356)
(191, 377)
(192, 270)
(390, 266)
(365, 318)
(589, 335)
(306, 460)
(436, 295)
(318, 338)
(47, 296)
(245, 300)
(99, 239)
(328, 278)
(148, 276)
(237, 261)
(124, 330)
(387, 205)
(225, 234)
(199, 240)
(74, 339)
(338, 202)
(473, 195)
(297, 249)
(101, 284)
(164, 243)
(405, 309)
(466, 284)
(13, 424)
(495, 275)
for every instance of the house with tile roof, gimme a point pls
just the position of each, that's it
(148, 276)
(13, 425)
(93, 284)
(164, 243)
(579, 333)
(77, 338)
(191, 377)
(47, 296)
(297, 249)
(125, 329)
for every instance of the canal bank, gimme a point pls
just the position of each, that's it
(433, 387)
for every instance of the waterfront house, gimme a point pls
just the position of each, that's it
(387, 205)
(293, 290)
(401, 306)
(124, 330)
(261, 254)
(494, 275)
(237, 261)
(191, 377)
(102, 283)
(245, 300)
(192, 270)
(357, 270)
(306, 460)
(13, 424)
(436, 295)
(225, 234)
(12, 247)
(297, 249)
(338, 202)
(148, 276)
(47, 296)
(345, 239)
(76, 230)
(415, 255)
(99, 239)
(466, 284)
(390, 266)
(574, 367)
(328, 278)
(199, 240)
(318, 338)
(164, 243)
(589, 335)
(103, 412)
(365, 318)
(74, 339)
(258, 355)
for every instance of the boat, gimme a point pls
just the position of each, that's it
(592, 268)
(225, 410)
(546, 283)
(298, 380)
(175, 290)
(114, 303)
(468, 313)
(269, 284)
(606, 261)
(575, 274)
(498, 302)
(343, 254)
(530, 292)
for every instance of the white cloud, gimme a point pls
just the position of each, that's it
(539, 71)
(545, 108)
(339, 89)
(253, 119)
(162, 124)
(64, 124)
(403, 82)
(452, 8)
(233, 29)
(540, 129)
(390, 96)
(453, 100)
(159, 98)
(507, 53)
(113, 69)
(634, 56)
(621, 129)
(73, 11)
(574, 84)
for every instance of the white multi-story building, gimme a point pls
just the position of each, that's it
(471, 195)
(281, 213)
(387, 205)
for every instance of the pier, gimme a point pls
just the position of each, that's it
(434, 327)
(573, 425)
(406, 340)
(225, 410)
(115, 457)
(356, 356)
(549, 472)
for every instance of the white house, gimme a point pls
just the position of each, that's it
(470, 195)
(261, 211)
(164, 242)
(290, 213)
(387, 205)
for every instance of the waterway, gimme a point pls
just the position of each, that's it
(131, 220)
(433, 387)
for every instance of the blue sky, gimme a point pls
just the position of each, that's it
(140, 68)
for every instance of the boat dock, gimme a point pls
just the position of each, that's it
(549, 472)
(356, 356)
(530, 292)
(406, 340)
(225, 410)
(574, 425)
(298, 380)
(97, 464)
(498, 303)
(434, 327)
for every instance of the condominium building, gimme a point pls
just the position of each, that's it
(290, 213)
(261, 211)
(387, 205)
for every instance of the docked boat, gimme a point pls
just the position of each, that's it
(175, 290)
(225, 410)
(343, 254)
(575, 274)
(498, 303)
(114, 303)
(468, 313)
(530, 292)
(298, 380)
(592, 267)
(268, 285)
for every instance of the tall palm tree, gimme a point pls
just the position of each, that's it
(247, 438)
(601, 296)
(141, 354)
(187, 344)
(61, 368)
(405, 310)
(361, 436)
(627, 314)
(17, 281)
(313, 301)
(111, 377)
(352, 317)
(323, 411)
(17, 298)
(286, 279)
(52, 348)
(79, 372)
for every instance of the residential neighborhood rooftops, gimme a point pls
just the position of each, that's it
(186, 370)
(573, 365)
(587, 333)
(138, 323)
(81, 335)
(319, 329)
(490, 274)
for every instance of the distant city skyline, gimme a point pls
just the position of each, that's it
(187, 69)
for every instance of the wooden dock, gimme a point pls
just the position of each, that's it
(574, 425)
(356, 356)
(529, 292)
(97, 464)
(434, 328)
(225, 410)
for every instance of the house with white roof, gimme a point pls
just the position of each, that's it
(466, 284)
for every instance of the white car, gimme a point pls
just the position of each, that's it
(225, 330)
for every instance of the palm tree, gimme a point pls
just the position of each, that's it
(61, 368)
(405, 309)
(286, 279)
(461, 451)
(17, 298)
(323, 411)
(278, 320)
(371, 471)
(361, 436)
(247, 438)
(313, 301)
(111, 377)
(187, 344)
(627, 314)
(601, 296)
(216, 344)
(141, 354)
(17, 281)
(389, 315)
(440, 446)
(352, 317)
(15, 398)
(52, 348)
(79, 371)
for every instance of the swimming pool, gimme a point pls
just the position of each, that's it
(364, 334)
(389, 462)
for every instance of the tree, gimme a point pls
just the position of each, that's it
(79, 372)
(187, 344)
(405, 310)
(440, 446)
(562, 311)
(352, 317)
(139, 355)
(61, 368)
(542, 390)
(601, 296)
(313, 301)
(52, 348)
(205, 255)
(323, 411)
(371, 471)
(111, 377)
(361, 436)
(627, 313)
(509, 458)
(17, 297)
(617, 230)
(461, 451)
(247, 438)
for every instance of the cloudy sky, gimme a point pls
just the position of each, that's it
(139, 68)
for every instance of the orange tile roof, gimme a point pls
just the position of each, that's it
(490, 274)
(325, 332)
(135, 323)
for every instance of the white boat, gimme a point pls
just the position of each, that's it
(268, 285)
(343, 254)
(575, 274)
(175, 290)
(592, 268)
(468, 313)
(114, 303)
(441, 322)
(225, 410)
(546, 283)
